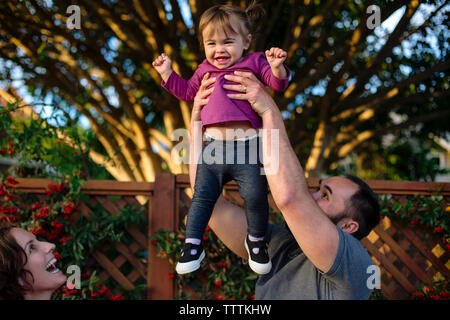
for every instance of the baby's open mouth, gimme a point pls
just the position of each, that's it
(51, 266)
(222, 60)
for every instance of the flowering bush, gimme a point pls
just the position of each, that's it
(439, 290)
(228, 277)
(433, 213)
(223, 277)
(54, 215)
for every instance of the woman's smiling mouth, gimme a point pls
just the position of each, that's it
(51, 266)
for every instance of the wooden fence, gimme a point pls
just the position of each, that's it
(407, 256)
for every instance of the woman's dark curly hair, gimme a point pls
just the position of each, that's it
(12, 261)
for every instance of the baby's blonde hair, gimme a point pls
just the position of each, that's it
(223, 17)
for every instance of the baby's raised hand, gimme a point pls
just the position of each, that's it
(163, 65)
(276, 57)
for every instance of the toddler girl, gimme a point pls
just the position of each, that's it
(225, 32)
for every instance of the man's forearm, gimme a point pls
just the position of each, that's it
(288, 180)
(195, 146)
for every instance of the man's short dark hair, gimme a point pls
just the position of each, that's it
(363, 207)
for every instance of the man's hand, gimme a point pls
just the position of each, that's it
(276, 57)
(251, 90)
(163, 65)
(201, 98)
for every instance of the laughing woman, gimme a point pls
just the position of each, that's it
(27, 266)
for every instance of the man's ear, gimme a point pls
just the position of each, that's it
(348, 225)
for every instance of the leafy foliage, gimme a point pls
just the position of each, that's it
(351, 85)
(54, 216)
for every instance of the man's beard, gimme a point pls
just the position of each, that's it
(338, 218)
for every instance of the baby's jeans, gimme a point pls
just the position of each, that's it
(222, 161)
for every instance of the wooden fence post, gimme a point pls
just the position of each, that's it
(161, 215)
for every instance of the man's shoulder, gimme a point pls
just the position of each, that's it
(351, 248)
(349, 271)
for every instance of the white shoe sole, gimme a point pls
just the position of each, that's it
(188, 267)
(259, 268)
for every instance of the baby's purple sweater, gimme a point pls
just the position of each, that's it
(220, 108)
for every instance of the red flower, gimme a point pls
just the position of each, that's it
(417, 294)
(56, 188)
(42, 213)
(171, 275)
(38, 231)
(205, 238)
(64, 240)
(51, 236)
(207, 229)
(103, 291)
(415, 221)
(35, 206)
(118, 297)
(222, 264)
(68, 293)
(218, 283)
(57, 225)
(8, 210)
(85, 275)
(68, 208)
(438, 229)
(57, 256)
(11, 180)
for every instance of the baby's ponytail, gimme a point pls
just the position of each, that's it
(220, 16)
(255, 12)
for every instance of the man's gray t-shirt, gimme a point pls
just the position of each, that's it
(294, 277)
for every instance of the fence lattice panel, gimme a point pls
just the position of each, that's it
(407, 255)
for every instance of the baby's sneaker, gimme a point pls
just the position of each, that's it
(258, 257)
(191, 257)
